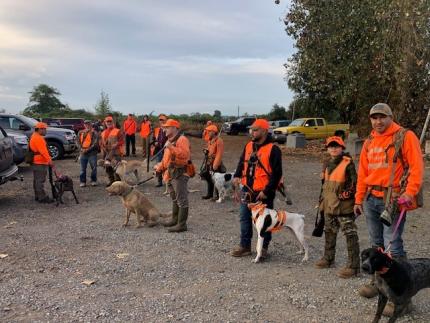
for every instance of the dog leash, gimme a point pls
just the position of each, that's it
(397, 225)
(144, 181)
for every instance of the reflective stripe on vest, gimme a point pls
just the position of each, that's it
(261, 178)
(85, 143)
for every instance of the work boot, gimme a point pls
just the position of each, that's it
(389, 309)
(329, 251)
(240, 251)
(352, 269)
(264, 254)
(210, 191)
(182, 221)
(174, 220)
(369, 290)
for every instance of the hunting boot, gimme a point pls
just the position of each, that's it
(182, 221)
(329, 251)
(210, 190)
(174, 220)
(369, 290)
(240, 251)
(353, 267)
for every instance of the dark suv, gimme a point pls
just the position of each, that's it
(240, 125)
(8, 169)
(75, 124)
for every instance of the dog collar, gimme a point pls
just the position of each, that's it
(383, 271)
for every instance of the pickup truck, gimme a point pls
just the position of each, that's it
(314, 128)
(60, 141)
(240, 125)
(8, 169)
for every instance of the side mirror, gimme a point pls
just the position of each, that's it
(24, 127)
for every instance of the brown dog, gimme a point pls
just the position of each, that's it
(135, 202)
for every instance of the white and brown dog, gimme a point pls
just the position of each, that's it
(268, 220)
(223, 183)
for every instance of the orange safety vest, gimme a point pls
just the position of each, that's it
(85, 142)
(145, 129)
(111, 138)
(333, 186)
(261, 177)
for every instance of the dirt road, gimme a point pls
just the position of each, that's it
(149, 275)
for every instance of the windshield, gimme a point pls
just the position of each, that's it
(31, 121)
(297, 122)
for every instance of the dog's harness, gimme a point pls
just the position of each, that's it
(281, 216)
(260, 207)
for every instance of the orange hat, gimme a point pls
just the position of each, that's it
(335, 139)
(41, 125)
(162, 116)
(212, 127)
(108, 119)
(172, 123)
(261, 123)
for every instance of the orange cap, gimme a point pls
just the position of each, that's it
(212, 127)
(41, 125)
(172, 123)
(261, 123)
(335, 139)
(108, 119)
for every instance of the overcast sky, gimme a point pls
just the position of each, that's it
(173, 56)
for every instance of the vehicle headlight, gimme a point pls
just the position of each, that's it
(70, 136)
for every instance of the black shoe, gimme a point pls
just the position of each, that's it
(159, 185)
(207, 197)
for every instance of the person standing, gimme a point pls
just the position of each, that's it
(112, 146)
(130, 127)
(337, 203)
(173, 166)
(41, 162)
(145, 131)
(159, 141)
(259, 171)
(88, 142)
(390, 160)
(213, 159)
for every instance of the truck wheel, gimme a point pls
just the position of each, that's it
(55, 150)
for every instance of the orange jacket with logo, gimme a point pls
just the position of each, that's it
(177, 156)
(130, 126)
(215, 152)
(39, 147)
(145, 129)
(375, 164)
(261, 177)
(112, 137)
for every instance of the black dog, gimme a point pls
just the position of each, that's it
(397, 281)
(63, 184)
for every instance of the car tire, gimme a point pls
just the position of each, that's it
(56, 150)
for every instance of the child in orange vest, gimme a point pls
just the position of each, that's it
(337, 203)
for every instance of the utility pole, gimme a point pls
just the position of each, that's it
(238, 111)
(294, 108)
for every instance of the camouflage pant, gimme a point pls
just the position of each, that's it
(346, 223)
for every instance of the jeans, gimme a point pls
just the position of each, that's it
(92, 160)
(246, 226)
(380, 234)
(130, 139)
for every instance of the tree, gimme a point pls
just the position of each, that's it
(217, 114)
(277, 113)
(103, 106)
(43, 101)
(352, 54)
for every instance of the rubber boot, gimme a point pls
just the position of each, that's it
(174, 219)
(182, 221)
(210, 190)
(329, 251)
(352, 269)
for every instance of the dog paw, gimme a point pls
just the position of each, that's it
(218, 201)
(300, 252)
(305, 259)
(124, 225)
(256, 260)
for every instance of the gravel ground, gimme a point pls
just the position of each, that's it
(150, 275)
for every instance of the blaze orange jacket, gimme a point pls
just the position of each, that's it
(215, 152)
(376, 164)
(206, 136)
(145, 129)
(177, 156)
(261, 175)
(129, 126)
(40, 149)
(112, 137)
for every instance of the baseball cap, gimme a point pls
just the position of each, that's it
(41, 125)
(172, 123)
(261, 123)
(335, 139)
(381, 108)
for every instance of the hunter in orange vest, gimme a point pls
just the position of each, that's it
(41, 161)
(112, 145)
(88, 142)
(130, 127)
(337, 205)
(259, 171)
(145, 131)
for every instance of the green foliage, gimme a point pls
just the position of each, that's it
(352, 54)
(278, 113)
(103, 106)
(43, 101)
